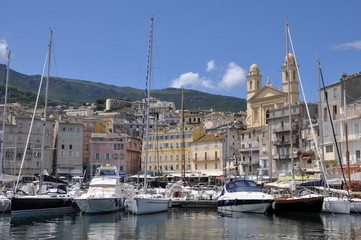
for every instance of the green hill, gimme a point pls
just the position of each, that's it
(23, 89)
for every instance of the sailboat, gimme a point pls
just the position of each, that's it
(5, 202)
(340, 203)
(56, 198)
(145, 203)
(302, 203)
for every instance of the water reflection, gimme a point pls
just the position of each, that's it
(181, 224)
(342, 226)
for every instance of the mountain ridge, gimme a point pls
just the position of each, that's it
(66, 91)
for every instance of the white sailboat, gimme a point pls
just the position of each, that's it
(143, 202)
(55, 199)
(340, 203)
(5, 202)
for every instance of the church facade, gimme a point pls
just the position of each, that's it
(260, 100)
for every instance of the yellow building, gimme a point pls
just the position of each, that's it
(262, 99)
(165, 149)
(208, 154)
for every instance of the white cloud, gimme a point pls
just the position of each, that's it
(211, 65)
(193, 80)
(234, 75)
(3, 50)
(346, 46)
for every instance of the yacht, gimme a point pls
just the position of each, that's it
(105, 194)
(244, 196)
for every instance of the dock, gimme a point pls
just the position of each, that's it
(195, 203)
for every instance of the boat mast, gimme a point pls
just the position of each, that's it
(289, 103)
(148, 80)
(45, 113)
(346, 134)
(5, 114)
(320, 120)
(270, 151)
(183, 142)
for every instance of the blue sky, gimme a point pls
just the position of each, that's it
(206, 45)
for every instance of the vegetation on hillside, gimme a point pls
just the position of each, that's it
(77, 92)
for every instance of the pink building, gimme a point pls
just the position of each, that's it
(114, 149)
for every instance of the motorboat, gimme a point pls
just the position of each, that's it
(244, 196)
(105, 194)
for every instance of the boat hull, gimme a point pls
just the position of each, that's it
(301, 205)
(147, 205)
(337, 205)
(5, 205)
(247, 206)
(41, 203)
(99, 205)
(355, 206)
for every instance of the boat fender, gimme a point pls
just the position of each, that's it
(227, 202)
(116, 202)
(235, 202)
(274, 205)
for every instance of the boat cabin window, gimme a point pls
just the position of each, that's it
(106, 172)
(242, 186)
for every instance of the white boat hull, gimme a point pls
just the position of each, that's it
(146, 205)
(5, 205)
(99, 205)
(355, 206)
(247, 208)
(336, 205)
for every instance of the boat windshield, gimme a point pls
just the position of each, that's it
(242, 186)
(106, 172)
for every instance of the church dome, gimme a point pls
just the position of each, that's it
(253, 67)
(290, 57)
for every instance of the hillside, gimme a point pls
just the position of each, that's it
(23, 89)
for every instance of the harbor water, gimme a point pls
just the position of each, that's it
(180, 223)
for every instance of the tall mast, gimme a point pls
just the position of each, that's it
(270, 152)
(45, 112)
(289, 102)
(346, 134)
(5, 114)
(183, 142)
(148, 80)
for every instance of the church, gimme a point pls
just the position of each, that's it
(262, 99)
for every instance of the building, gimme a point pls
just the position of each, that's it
(68, 152)
(260, 100)
(167, 148)
(282, 154)
(208, 155)
(17, 131)
(107, 148)
(343, 99)
(115, 103)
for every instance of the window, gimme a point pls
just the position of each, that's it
(329, 149)
(215, 166)
(195, 156)
(358, 154)
(205, 156)
(215, 155)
